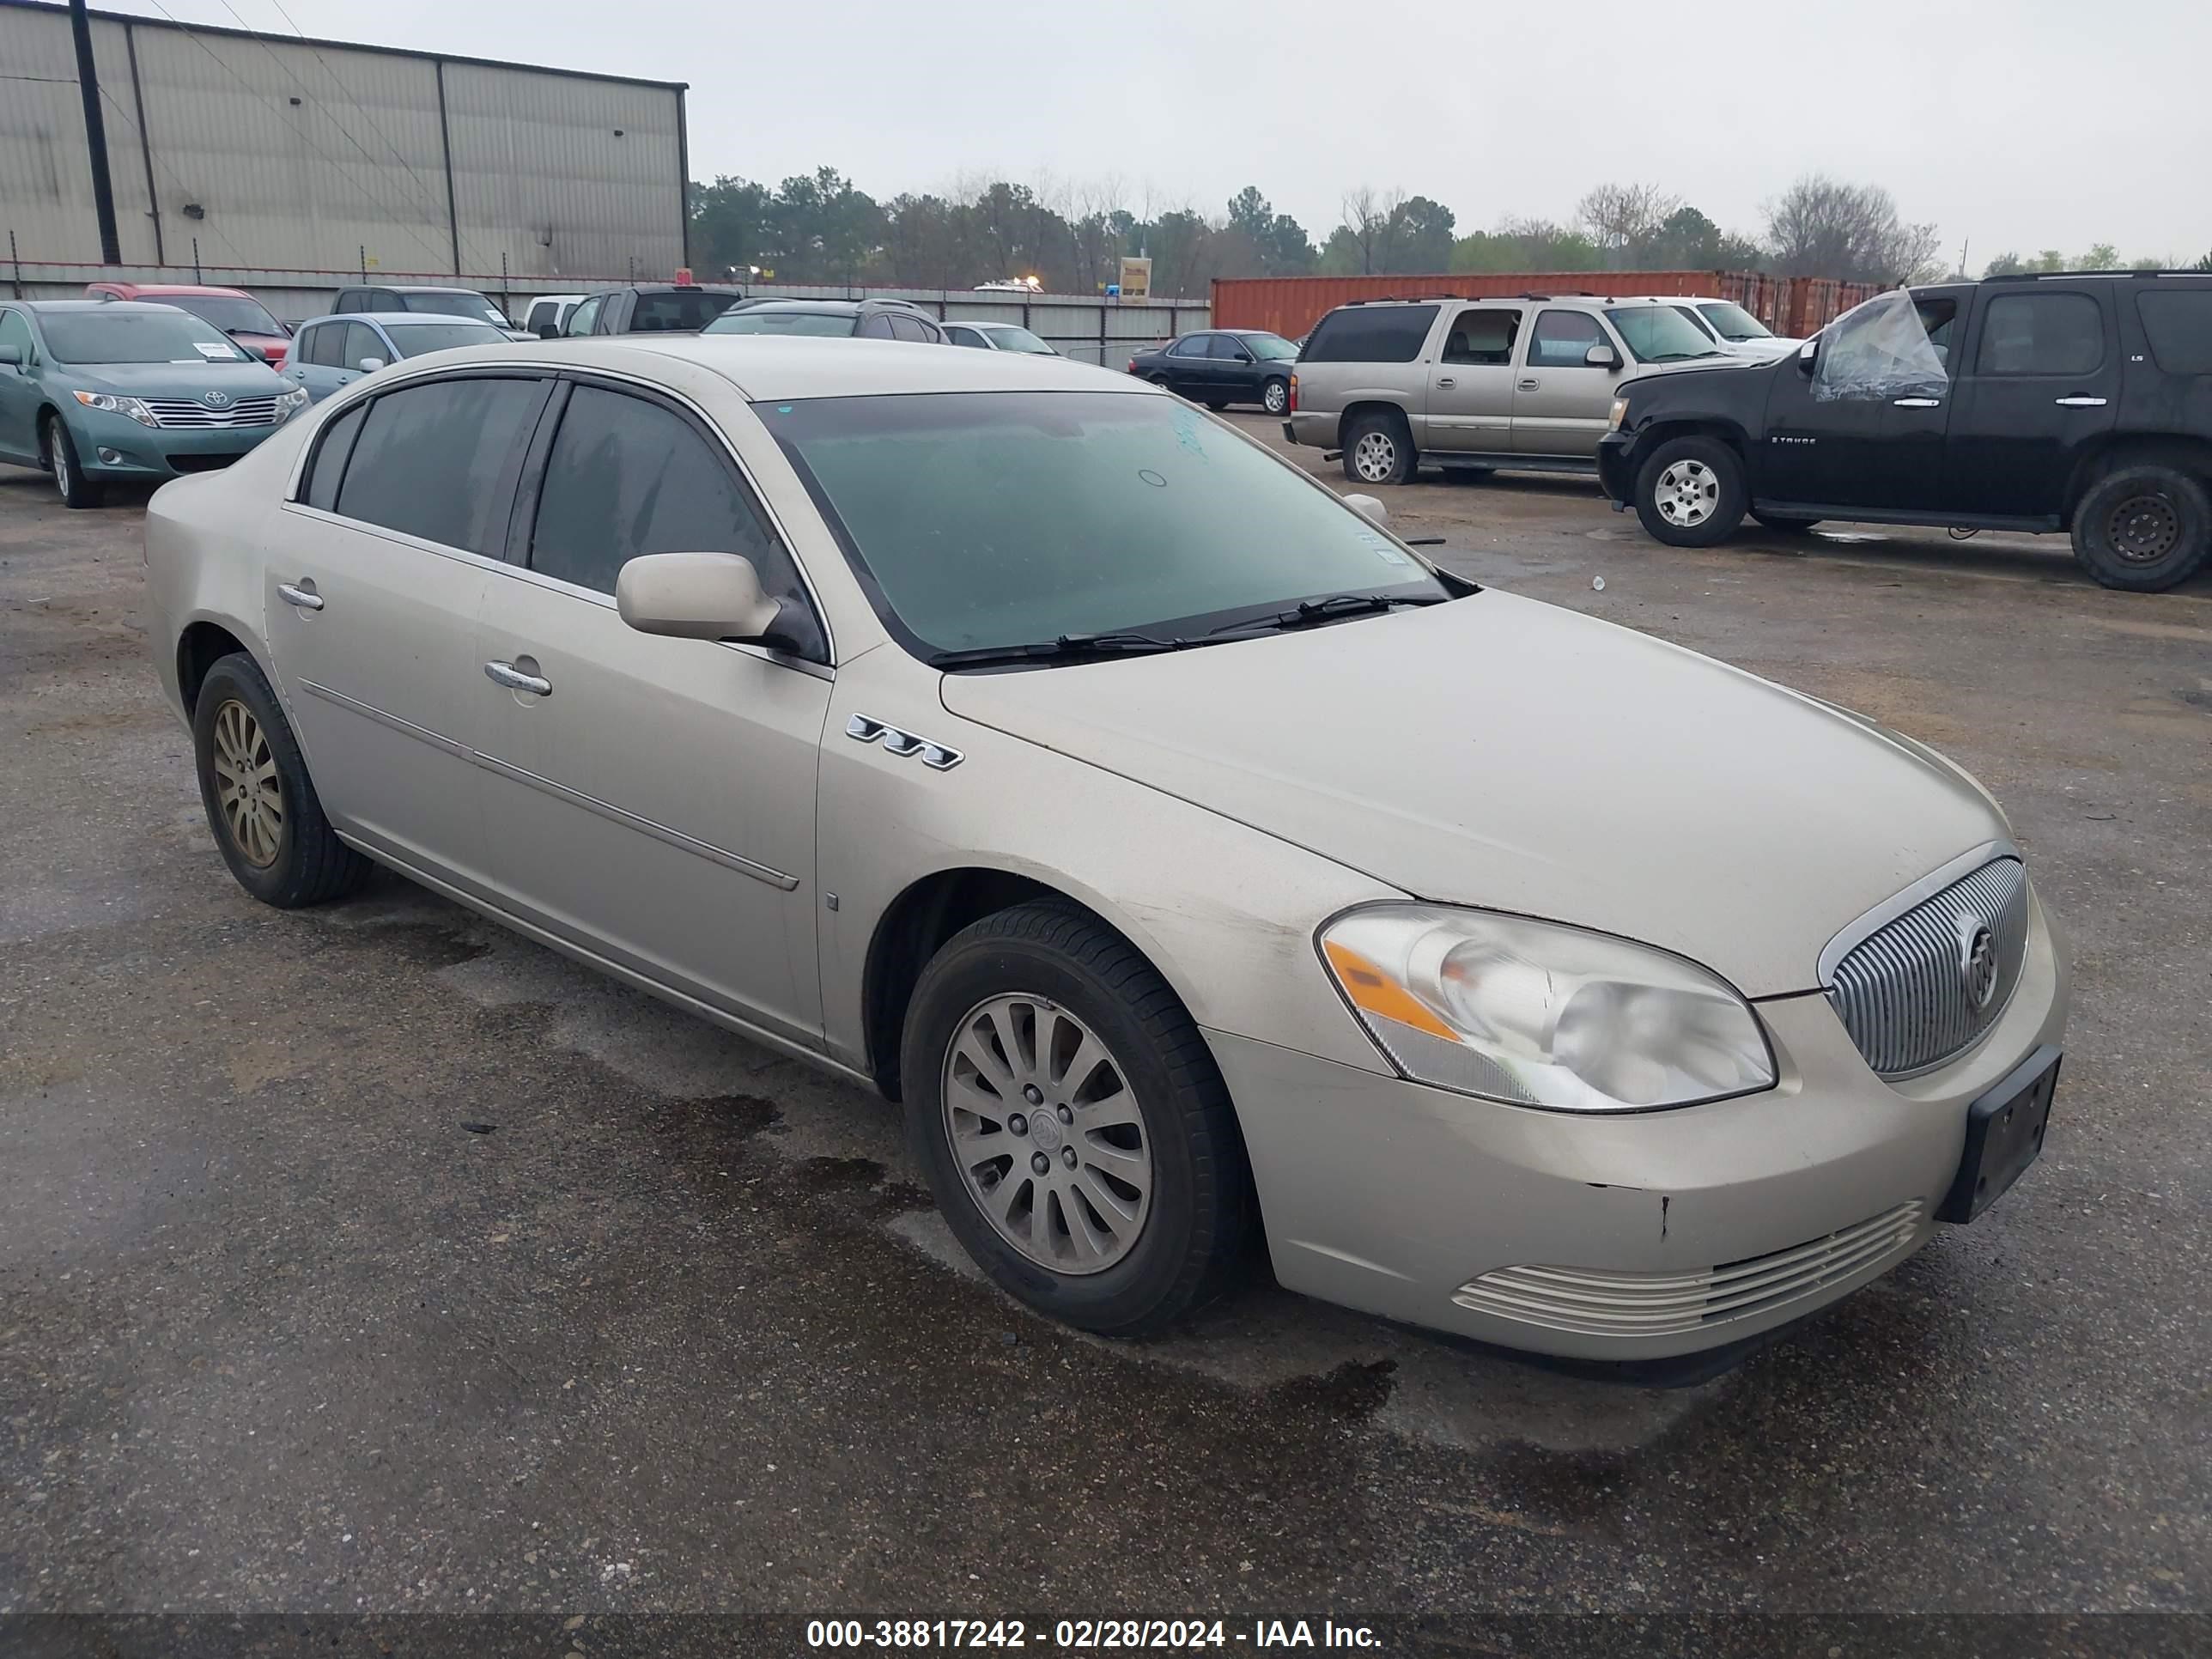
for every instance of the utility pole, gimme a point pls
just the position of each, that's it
(95, 136)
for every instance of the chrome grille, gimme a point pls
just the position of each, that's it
(1664, 1305)
(190, 412)
(1902, 991)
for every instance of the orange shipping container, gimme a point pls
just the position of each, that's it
(1291, 306)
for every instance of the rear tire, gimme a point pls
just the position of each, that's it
(1691, 492)
(76, 490)
(1378, 448)
(2144, 529)
(1216, 404)
(1002, 1016)
(267, 819)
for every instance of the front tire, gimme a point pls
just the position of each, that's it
(1275, 397)
(2144, 529)
(1071, 1123)
(77, 490)
(1378, 449)
(267, 819)
(1691, 492)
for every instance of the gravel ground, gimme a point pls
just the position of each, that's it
(681, 1332)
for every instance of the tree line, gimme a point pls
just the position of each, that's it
(819, 227)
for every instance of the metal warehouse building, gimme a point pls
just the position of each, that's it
(291, 164)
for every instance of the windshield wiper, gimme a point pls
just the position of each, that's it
(1067, 645)
(1309, 612)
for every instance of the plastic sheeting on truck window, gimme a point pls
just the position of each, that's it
(1879, 349)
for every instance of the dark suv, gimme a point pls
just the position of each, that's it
(866, 319)
(2080, 402)
(649, 308)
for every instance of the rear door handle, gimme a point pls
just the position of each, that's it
(1919, 403)
(2080, 403)
(1528, 385)
(1446, 381)
(305, 597)
(515, 679)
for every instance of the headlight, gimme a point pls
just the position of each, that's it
(290, 403)
(1619, 414)
(114, 405)
(1538, 1014)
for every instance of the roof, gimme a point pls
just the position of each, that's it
(202, 289)
(105, 307)
(135, 21)
(403, 320)
(408, 287)
(773, 366)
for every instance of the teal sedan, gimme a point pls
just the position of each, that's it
(94, 391)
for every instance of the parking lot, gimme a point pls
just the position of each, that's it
(372, 1258)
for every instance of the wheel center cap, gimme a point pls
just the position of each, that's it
(1044, 1130)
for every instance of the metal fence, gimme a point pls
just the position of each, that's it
(1087, 328)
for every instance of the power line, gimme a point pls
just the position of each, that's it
(398, 219)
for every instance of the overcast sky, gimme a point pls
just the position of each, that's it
(2017, 124)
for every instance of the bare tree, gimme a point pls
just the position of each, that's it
(1371, 219)
(1621, 218)
(1821, 227)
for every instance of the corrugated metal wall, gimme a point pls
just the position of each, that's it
(309, 157)
(1290, 306)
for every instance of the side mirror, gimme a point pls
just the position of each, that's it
(1601, 356)
(12, 356)
(370, 365)
(1368, 506)
(548, 330)
(697, 596)
(1808, 355)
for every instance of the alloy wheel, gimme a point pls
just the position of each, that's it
(1687, 494)
(247, 785)
(1276, 398)
(2144, 529)
(58, 451)
(1046, 1134)
(1374, 457)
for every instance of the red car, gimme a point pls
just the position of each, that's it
(234, 311)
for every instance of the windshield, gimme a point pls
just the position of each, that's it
(1269, 348)
(1660, 334)
(413, 339)
(136, 337)
(233, 316)
(783, 322)
(1732, 322)
(1010, 337)
(979, 519)
(444, 303)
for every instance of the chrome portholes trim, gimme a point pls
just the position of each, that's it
(863, 728)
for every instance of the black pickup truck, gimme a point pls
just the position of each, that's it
(2080, 402)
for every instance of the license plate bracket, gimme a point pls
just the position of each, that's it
(2004, 1135)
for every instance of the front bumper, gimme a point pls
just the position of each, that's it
(1616, 465)
(1561, 1233)
(155, 451)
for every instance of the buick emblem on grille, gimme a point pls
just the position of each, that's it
(216, 399)
(1978, 961)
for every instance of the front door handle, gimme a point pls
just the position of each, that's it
(2080, 403)
(515, 679)
(305, 596)
(1918, 403)
(1446, 381)
(1528, 385)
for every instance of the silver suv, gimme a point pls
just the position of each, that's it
(1526, 383)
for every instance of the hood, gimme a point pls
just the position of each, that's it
(1500, 752)
(253, 379)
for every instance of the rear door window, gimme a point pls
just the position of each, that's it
(912, 328)
(323, 344)
(2042, 334)
(1482, 335)
(439, 460)
(1371, 334)
(1191, 345)
(2178, 323)
(1562, 339)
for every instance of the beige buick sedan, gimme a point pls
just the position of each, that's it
(1194, 860)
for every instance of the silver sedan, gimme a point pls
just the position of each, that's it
(1196, 862)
